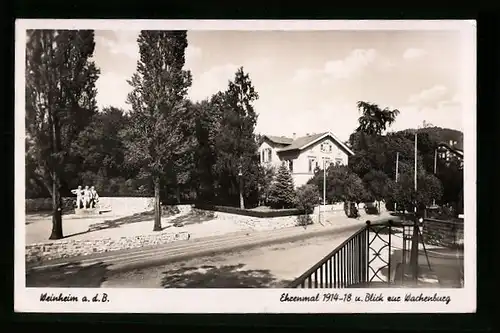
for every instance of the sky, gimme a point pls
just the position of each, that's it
(310, 81)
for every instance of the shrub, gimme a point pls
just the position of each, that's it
(306, 199)
(170, 210)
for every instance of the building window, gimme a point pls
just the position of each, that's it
(266, 155)
(326, 147)
(312, 164)
(290, 165)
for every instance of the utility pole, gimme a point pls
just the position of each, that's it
(415, 236)
(397, 166)
(435, 172)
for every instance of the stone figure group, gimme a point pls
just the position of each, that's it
(86, 197)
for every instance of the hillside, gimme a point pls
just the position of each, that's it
(438, 134)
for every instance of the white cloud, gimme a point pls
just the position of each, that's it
(217, 78)
(429, 96)
(283, 116)
(447, 116)
(192, 54)
(112, 90)
(352, 65)
(413, 53)
(304, 74)
(126, 44)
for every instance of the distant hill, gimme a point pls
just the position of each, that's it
(445, 135)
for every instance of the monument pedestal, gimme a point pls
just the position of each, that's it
(87, 211)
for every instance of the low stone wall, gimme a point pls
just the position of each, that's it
(36, 253)
(443, 233)
(338, 208)
(41, 205)
(121, 205)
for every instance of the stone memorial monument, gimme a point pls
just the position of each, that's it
(86, 200)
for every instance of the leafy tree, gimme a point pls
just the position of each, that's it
(60, 98)
(282, 192)
(99, 146)
(342, 185)
(373, 119)
(306, 199)
(159, 116)
(376, 184)
(237, 163)
(429, 188)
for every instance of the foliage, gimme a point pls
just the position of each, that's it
(60, 100)
(265, 181)
(374, 120)
(282, 193)
(429, 188)
(235, 141)
(341, 185)
(307, 198)
(377, 186)
(159, 129)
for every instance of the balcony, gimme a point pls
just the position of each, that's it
(393, 254)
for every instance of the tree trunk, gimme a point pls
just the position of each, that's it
(157, 224)
(242, 199)
(55, 141)
(178, 194)
(57, 232)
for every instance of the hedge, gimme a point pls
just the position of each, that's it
(249, 212)
(42, 205)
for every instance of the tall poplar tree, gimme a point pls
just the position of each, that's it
(60, 101)
(159, 117)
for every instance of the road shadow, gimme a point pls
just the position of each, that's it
(116, 223)
(193, 217)
(229, 276)
(71, 275)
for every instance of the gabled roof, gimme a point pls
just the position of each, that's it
(306, 141)
(281, 140)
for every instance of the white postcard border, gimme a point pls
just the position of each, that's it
(248, 300)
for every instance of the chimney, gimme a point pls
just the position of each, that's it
(294, 136)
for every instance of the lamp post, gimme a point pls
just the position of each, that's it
(324, 184)
(415, 236)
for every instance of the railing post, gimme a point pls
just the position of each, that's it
(389, 255)
(414, 251)
(366, 256)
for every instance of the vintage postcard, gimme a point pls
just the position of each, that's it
(245, 166)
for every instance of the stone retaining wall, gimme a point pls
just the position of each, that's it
(36, 253)
(121, 205)
(448, 234)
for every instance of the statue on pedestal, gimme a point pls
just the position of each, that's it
(94, 197)
(86, 198)
(79, 197)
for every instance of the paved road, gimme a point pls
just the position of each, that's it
(85, 271)
(264, 266)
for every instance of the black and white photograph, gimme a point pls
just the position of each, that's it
(243, 163)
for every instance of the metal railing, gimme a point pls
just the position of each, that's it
(350, 264)
(366, 256)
